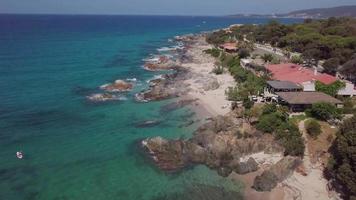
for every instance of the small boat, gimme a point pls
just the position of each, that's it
(19, 155)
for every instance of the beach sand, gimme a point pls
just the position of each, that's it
(210, 102)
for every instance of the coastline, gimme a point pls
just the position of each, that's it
(211, 101)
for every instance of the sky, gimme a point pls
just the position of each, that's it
(164, 7)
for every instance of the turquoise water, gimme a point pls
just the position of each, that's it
(76, 149)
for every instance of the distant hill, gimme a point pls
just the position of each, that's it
(341, 11)
(316, 13)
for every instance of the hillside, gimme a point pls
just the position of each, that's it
(316, 13)
(341, 11)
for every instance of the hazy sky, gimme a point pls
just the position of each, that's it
(163, 7)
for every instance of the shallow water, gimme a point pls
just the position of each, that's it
(75, 149)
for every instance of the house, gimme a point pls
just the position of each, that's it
(348, 91)
(299, 101)
(307, 77)
(298, 74)
(279, 86)
(230, 47)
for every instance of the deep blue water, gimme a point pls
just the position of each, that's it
(75, 149)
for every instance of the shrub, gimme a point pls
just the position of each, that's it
(323, 111)
(275, 61)
(269, 108)
(330, 89)
(297, 60)
(247, 103)
(313, 128)
(270, 122)
(218, 70)
(290, 138)
(213, 52)
(244, 53)
(267, 57)
(232, 94)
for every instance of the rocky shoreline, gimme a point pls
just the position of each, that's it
(227, 143)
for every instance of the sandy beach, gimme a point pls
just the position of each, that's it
(210, 102)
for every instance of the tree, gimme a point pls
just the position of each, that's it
(247, 103)
(331, 65)
(323, 111)
(313, 128)
(341, 166)
(243, 53)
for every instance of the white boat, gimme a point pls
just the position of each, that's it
(19, 155)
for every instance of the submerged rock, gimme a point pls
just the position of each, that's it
(103, 97)
(147, 123)
(177, 105)
(202, 192)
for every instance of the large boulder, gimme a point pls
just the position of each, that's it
(277, 173)
(246, 167)
(168, 155)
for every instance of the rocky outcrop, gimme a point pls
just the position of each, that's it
(103, 97)
(117, 86)
(168, 86)
(277, 173)
(246, 167)
(162, 63)
(215, 144)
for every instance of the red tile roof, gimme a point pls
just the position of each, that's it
(229, 46)
(298, 74)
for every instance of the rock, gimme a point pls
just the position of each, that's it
(168, 86)
(176, 105)
(103, 97)
(147, 123)
(277, 173)
(211, 84)
(214, 144)
(246, 167)
(265, 182)
(117, 86)
(168, 155)
(224, 171)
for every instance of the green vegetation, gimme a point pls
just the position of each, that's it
(248, 83)
(331, 65)
(341, 166)
(330, 89)
(333, 40)
(267, 57)
(349, 106)
(243, 53)
(232, 94)
(275, 120)
(218, 69)
(323, 111)
(313, 128)
(213, 52)
(296, 60)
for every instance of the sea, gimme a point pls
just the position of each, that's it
(74, 148)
